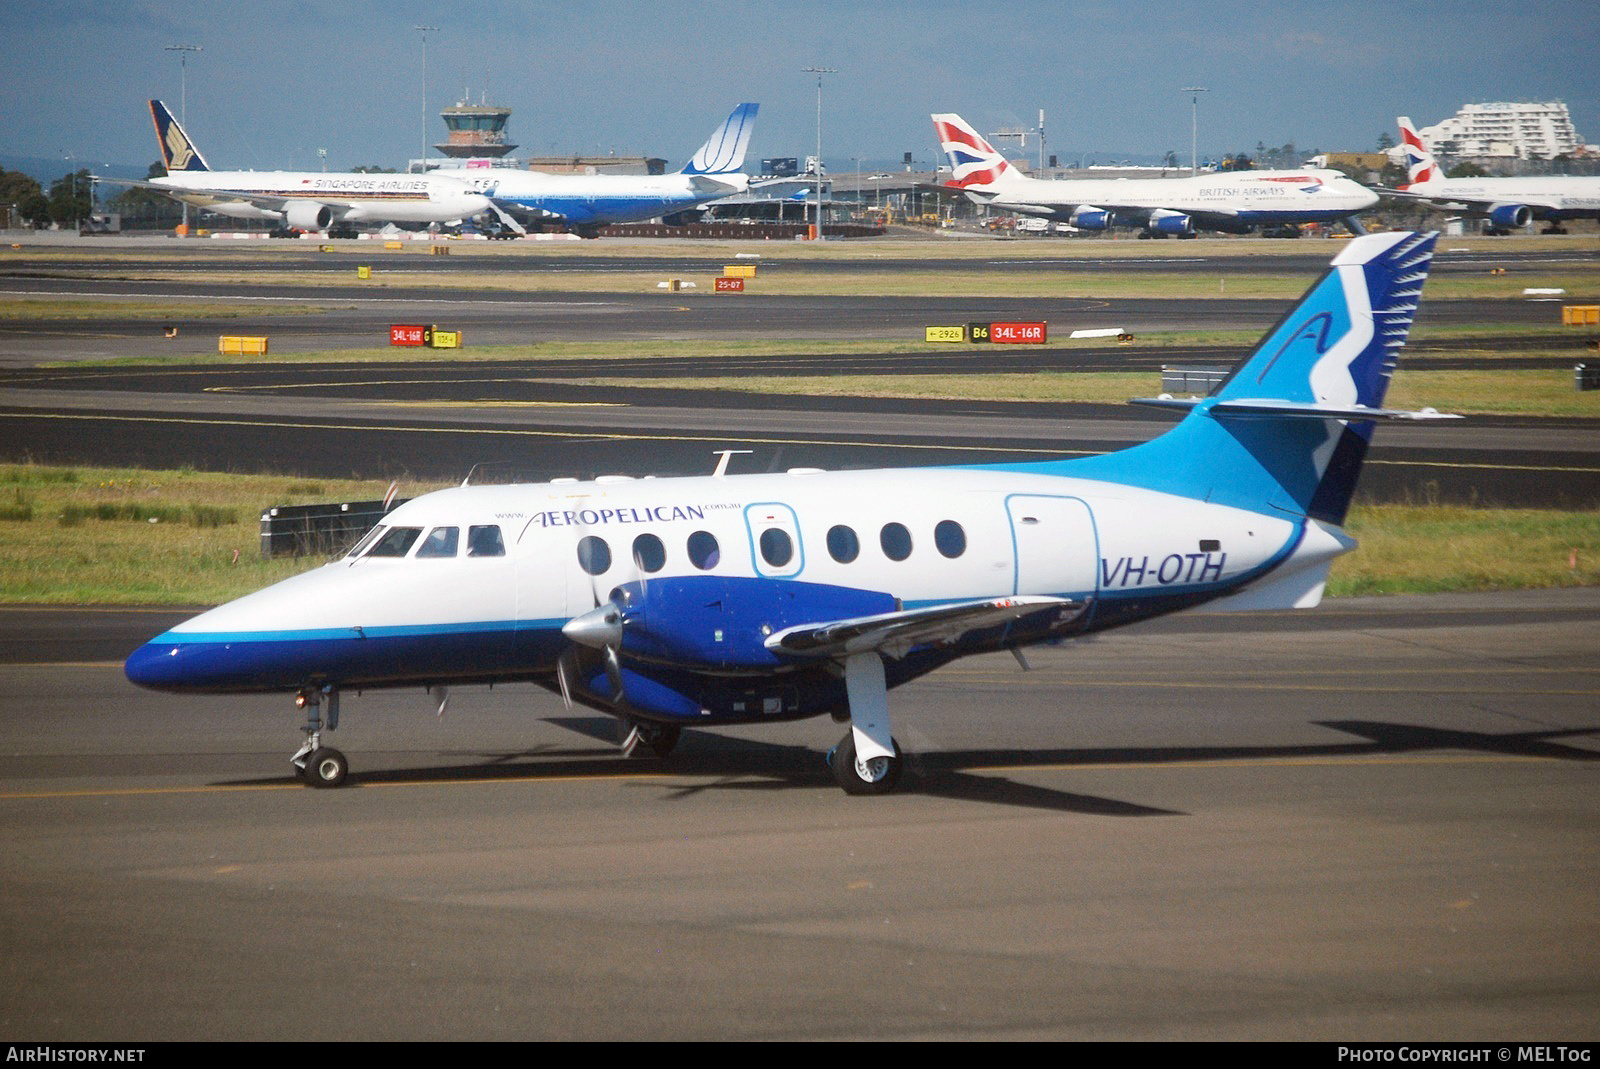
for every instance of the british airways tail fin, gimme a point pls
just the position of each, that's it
(1420, 164)
(1289, 428)
(974, 163)
(177, 152)
(723, 152)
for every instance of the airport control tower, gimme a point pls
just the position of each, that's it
(476, 130)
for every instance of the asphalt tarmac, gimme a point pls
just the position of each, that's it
(1371, 821)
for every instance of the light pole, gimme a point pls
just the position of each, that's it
(183, 103)
(1194, 92)
(422, 165)
(819, 72)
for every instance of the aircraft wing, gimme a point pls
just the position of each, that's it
(896, 633)
(726, 185)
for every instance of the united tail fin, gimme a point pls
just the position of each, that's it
(177, 151)
(1420, 165)
(1289, 428)
(723, 152)
(974, 163)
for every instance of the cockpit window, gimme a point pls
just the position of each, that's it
(441, 542)
(485, 541)
(366, 540)
(396, 542)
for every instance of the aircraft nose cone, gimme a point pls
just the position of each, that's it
(155, 664)
(598, 628)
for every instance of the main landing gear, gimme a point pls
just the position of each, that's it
(867, 759)
(319, 765)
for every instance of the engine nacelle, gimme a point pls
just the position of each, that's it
(1087, 217)
(1166, 221)
(1510, 216)
(721, 622)
(308, 215)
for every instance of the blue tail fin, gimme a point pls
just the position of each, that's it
(177, 152)
(723, 152)
(1289, 428)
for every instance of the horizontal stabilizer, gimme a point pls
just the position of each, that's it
(895, 633)
(1246, 406)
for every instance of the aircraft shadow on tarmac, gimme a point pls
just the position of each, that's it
(731, 764)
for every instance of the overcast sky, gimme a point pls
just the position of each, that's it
(279, 79)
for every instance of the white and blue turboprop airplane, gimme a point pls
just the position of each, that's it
(743, 599)
(587, 202)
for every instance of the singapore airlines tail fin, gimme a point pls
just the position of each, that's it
(177, 152)
(1420, 165)
(975, 165)
(723, 152)
(1289, 428)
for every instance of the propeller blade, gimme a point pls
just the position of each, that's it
(562, 669)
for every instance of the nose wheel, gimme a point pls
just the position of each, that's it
(319, 765)
(325, 767)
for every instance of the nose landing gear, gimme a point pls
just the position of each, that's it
(319, 765)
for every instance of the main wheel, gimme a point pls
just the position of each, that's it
(877, 775)
(326, 767)
(642, 738)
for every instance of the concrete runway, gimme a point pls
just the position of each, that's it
(1372, 821)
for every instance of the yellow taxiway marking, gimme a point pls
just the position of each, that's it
(597, 434)
(589, 435)
(668, 780)
(489, 404)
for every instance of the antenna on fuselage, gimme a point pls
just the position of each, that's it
(725, 455)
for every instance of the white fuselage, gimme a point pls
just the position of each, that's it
(1012, 533)
(1549, 197)
(353, 197)
(1307, 195)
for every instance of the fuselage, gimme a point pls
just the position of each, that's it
(356, 197)
(474, 584)
(1308, 195)
(1549, 197)
(602, 198)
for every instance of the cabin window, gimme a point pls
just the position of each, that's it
(843, 545)
(367, 540)
(777, 548)
(649, 554)
(441, 542)
(594, 556)
(396, 543)
(704, 553)
(485, 541)
(949, 537)
(895, 540)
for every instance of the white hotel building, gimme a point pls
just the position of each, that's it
(1523, 131)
